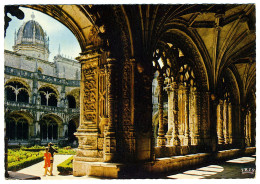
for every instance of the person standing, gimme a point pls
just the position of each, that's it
(47, 160)
(52, 151)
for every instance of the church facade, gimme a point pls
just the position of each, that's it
(162, 87)
(41, 97)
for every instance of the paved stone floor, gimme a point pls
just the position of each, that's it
(243, 167)
(239, 168)
(38, 170)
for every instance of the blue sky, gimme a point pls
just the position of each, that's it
(57, 32)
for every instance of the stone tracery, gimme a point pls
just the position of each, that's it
(116, 94)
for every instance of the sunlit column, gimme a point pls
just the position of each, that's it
(220, 122)
(246, 129)
(170, 115)
(225, 121)
(249, 127)
(37, 129)
(110, 141)
(196, 125)
(181, 114)
(175, 132)
(187, 139)
(161, 141)
(230, 129)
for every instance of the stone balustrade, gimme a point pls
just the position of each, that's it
(41, 77)
(28, 106)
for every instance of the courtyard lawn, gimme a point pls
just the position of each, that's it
(66, 166)
(25, 157)
(19, 159)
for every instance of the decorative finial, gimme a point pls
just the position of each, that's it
(33, 16)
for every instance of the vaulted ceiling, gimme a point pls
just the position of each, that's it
(221, 36)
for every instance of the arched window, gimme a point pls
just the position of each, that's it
(17, 92)
(71, 101)
(17, 129)
(48, 96)
(49, 129)
(10, 128)
(22, 129)
(43, 129)
(71, 130)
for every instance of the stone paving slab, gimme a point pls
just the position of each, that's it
(222, 170)
(38, 170)
(21, 176)
(230, 169)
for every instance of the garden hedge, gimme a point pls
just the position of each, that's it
(18, 165)
(66, 166)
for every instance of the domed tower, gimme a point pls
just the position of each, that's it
(32, 40)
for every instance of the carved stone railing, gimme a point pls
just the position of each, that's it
(23, 105)
(41, 77)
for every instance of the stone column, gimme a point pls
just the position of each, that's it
(65, 131)
(212, 122)
(180, 115)
(175, 132)
(225, 121)
(15, 130)
(87, 132)
(220, 122)
(109, 134)
(249, 128)
(161, 141)
(196, 130)
(230, 129)
(170, 116)
(187, 138)
(246, 127)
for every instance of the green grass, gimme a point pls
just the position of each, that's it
(25, 157)
(19, 159)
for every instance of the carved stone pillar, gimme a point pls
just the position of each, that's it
(225, 121)
(246, 127)
(196, 123)
(37, 130)
(220, 122)
(230, 129)
(249, 128)
(109, 135)
(187, 139)
(87, 132)
(180, 116)
(212, 122)
(161, 141)
(175, 132)
(170, 116)
(65, 131)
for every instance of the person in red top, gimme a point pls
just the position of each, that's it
(47, 160)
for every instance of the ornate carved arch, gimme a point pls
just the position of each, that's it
(52, 87)
(20, 80)
(191, 53)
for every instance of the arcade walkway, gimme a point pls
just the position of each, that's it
(243, 167)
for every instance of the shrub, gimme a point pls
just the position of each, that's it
(20, 164)
(66, 166)
(66, 151)
(19, 159)
(35, 148)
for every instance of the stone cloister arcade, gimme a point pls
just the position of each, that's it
(38, 116)
(203, 58)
